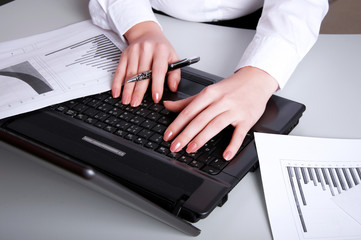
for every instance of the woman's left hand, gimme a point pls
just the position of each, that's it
(238, 100)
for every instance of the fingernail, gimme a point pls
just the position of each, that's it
(125, 99)
(167, 135)
(116, 92)
(134, 102)
(227, 155)
(175, 86)
(156, 97)
(175, 147)
(191, 147)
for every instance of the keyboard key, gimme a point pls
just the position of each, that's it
(101, 116)
(185, 159)
(126, 116)
(81, 116)
(196, 164)
(61, 108)
(146, 134)
(134, 129)
(153, 116)
(174, 155)
(137, 120)
(156, 138)
(91, 112)
(151, 145)
(140, 140)
(142, 112)
(163, 150)
(210, 170)
(122, 125)
(218, 163)
(80, 107)
(156, 107)
(148, 124)
(159, 128)
(110, 129)
(105, 107)
(91, 121)
(120, 133)
(130, 137)
(100, 124)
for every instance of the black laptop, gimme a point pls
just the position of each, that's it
(98, 136)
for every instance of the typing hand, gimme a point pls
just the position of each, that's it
(148, 49)
(238, 100)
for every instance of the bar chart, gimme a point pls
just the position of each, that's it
(97, 52)
(333, 180)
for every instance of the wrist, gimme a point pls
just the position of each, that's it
(141, 29)
(259, 79)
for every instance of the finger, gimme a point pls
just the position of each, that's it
(177, 106)
(119, 77)
(199, 103)
(141, 86)
(173, 79)
(238, 136)
(132, 70)
(212, 129)
(196, 126)
(159, 70)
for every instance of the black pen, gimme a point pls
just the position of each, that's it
(172, 66)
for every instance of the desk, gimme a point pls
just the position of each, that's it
(38, 203)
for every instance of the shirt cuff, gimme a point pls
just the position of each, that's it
(273, 55)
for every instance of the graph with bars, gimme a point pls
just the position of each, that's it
(330, 180)
(97, 52)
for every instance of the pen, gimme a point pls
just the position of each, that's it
(148, 74)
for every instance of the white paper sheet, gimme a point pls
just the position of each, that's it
(301, 177)
(49, 68)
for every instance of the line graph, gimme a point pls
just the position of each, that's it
(25, 72)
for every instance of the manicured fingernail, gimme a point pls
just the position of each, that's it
(125, 99)
(156, 97)
(227, 155)
(175, 86)
(167, 135)
(191, 147)
(134, 102)
(175, 146)
(116, 92)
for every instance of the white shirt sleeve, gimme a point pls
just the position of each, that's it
(286, 31)
(120, 15)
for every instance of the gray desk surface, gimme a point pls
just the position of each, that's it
(38, 203)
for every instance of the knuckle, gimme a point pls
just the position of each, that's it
(209, 91)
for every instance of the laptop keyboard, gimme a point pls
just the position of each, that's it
(145, 126)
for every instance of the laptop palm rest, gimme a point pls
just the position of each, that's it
(91, 176)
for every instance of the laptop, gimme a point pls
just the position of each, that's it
(119, 150)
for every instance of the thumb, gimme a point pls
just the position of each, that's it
(177, 106)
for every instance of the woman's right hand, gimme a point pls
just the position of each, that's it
(148, 49)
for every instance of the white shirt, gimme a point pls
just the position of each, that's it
(285, 33)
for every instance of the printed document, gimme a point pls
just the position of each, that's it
(312, 186)
(54, 67)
